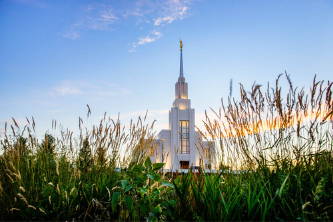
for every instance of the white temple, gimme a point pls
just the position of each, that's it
(181, 146)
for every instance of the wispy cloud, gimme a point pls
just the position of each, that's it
(164, 12)
(99, 17)
(71, 35)
(83, 88)
(95, 17)
(151, 37)
(172, 11)
(154, 14)
(67, 89)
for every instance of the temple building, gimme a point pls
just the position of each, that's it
(181, 146)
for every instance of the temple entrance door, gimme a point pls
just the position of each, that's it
(184, 164)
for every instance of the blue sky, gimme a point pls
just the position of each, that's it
(122, 56)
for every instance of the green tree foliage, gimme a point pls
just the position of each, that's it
(85, 159)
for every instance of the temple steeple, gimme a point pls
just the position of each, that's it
(181, 74)
(181, 85)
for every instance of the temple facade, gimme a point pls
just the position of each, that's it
(181, 146)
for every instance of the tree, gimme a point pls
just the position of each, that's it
(85, 159)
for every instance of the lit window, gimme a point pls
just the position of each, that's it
(182, 106)
(184, 137)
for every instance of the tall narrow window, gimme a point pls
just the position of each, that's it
(184, 137)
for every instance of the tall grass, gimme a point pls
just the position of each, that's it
(49, 180)
(273, 146)
(281, 141)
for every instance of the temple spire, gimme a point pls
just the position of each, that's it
(181, 85)
(181, 74)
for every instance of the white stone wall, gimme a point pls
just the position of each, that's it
(169, 141)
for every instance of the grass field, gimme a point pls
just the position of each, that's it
(279, 138)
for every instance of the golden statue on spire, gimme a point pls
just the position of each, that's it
(181, 44)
